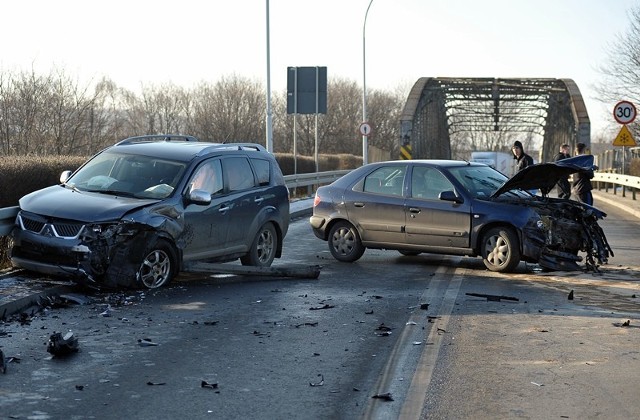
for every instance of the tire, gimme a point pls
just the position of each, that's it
(409, 253)
(344, 242)
(263, 249)
(500, 250)
(159, 265)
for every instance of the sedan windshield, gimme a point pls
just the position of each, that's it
(481, 181)
(128, 175)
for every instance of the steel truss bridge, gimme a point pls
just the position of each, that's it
(437, 108)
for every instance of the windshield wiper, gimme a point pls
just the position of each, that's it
(113, 192)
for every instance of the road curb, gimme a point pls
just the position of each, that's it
(619, 202)
(22, 304)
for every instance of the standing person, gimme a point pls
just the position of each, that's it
(522, 159)
(564, 188)
(582, 180)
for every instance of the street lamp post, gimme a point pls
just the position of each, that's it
(365, 142)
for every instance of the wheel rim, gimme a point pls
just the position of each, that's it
(498, 250)
(343, 241)
(155, 269)
(265, 246)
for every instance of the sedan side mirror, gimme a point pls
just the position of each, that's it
(64, 176)
(450, 196)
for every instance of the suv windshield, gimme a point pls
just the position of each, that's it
(128, 175)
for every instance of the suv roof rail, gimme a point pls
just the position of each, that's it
(157, 138)
(233, 146)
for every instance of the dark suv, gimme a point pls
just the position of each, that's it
(138, 212)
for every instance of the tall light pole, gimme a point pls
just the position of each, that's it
(365, 140)
(269, 117)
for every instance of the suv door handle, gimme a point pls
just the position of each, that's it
(259, 200)
(224, 207)
(414, 210)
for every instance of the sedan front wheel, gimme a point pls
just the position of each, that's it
(500, 250)
(344, 242)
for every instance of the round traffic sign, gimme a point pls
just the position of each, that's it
(365, 129)
(624, 112)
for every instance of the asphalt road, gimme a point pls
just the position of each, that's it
(411, 331)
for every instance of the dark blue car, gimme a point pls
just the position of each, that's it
(461, 208)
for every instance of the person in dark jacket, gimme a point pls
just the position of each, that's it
(564, 187)
(581, 187)
(522, 159)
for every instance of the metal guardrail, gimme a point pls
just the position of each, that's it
(625, 181)
(7, 219)
(315, 178)
(8, 214)
(603, 180)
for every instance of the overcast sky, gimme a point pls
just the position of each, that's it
(137, 42)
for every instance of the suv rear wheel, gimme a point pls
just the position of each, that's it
(263, 248)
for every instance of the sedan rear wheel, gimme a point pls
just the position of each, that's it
(500, 250)
(344, 242)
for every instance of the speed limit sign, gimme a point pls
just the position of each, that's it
(624, 112)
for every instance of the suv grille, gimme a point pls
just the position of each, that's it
(59, 229)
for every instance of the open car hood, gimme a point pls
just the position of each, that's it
(544, 176)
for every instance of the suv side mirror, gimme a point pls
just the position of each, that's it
(200, 197)
(450, 196)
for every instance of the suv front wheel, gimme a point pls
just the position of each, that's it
(263, 249)
(159, 265)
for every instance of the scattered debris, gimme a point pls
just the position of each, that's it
(417, 343)
(79, 387)
(537, 384)
(377, 297)
(258, 333)
(493, 298)
(210, 322)
(570, 297)
(320, 383)
(210, 385)
(411, 323)
(106, 312)
(308, 324)
(385, 397)
(440, 330)
(425, 306)
(3, 366)
(432, 319)
(325, 306)
(62, 346)
(385, 331)
(369, 312)
(156, 383)
(146, 342)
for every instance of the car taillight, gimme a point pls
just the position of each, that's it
(316, 200)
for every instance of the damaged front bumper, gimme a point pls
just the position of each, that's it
(562, 230)
(83, 253)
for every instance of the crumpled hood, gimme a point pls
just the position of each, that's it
(60, 202)
(545, 176)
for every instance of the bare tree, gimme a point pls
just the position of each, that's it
(622, 70)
